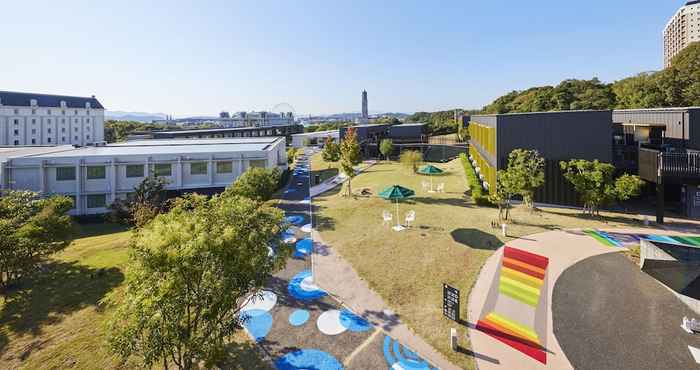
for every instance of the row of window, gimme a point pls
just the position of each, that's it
(63, 112)
(159, 170)
(48, 121)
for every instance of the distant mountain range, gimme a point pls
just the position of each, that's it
(134, 116)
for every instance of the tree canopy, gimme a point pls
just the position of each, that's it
(349, 156)
(256, 183)
(31, 228)
(189, 271)
(678, 85)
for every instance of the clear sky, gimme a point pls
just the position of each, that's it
(201, 57)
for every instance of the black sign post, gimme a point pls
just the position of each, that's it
(450, 302)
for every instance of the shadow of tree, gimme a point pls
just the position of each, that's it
(243, 356)
(475, 238)
(457, 202)
(59, 289)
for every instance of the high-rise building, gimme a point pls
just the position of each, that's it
(41, 119)
(365, 111)
(681, 30)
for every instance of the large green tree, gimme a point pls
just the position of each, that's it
(146, 201)
(256, 183)
(595, 183)
(31, 228)
(331, 151)
(525, 172)
(190, 269)
(349, 157)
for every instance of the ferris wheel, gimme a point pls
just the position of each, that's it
(283, 108)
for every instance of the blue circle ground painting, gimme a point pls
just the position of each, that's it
(308, 359)
(258, 323)
(299, 317)
(295, 219)
(302, 287)
(303, 248)
(400, 357)
(353, 322)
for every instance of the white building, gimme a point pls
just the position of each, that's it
(314, 138)
(681, 30)
(95, 176)
(40, 119)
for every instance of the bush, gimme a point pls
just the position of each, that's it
(256, 183)
(478, 195)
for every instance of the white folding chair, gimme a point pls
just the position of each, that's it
(441, 187)
(410, 217)
(425, 185)
(386, 215)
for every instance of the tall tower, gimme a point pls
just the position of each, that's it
(681, 30)
(365, 112)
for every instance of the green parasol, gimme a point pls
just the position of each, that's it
(396, 192)
(430, 170)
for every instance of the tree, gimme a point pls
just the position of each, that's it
(189, 270)
(386, 146)
(31, 228)
(525, 173)
(349, 156)
(147, 201)
(594, 182)
(256, 183)
(501, 196)
(411, 158)
(331, 151)
(291, 154)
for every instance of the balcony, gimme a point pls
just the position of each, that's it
(674, 167)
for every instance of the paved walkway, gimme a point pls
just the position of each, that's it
(564, 249)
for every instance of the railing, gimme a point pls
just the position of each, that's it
(654, 164)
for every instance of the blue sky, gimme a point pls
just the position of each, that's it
(201, 57)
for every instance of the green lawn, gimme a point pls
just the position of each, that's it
(55, 320)
(449, 243)
(323, 168)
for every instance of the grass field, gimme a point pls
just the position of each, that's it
(55, 320)
(324, 169)
(449, 243)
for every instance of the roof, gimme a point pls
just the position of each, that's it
(20, 99)
(547, 112)
(25, 151)
(189, 142)
(153, 147)
(210, 130)
(657, 110)
(319, 133)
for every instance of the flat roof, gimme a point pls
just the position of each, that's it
(148, 147)
(547, 112)
(410, 124)
(656, 110)
(24, 151)
(211, 141)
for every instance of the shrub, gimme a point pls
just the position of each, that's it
(480, 198)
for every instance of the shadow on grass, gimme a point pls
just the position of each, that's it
(457, 202)
(59, 289)
(90, 229)
(477, 239)
(243, 356)
(581, 216)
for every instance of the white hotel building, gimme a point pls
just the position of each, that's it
(41, 119)
(94, 176)
(681, 30)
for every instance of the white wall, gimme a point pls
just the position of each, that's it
(49, 126)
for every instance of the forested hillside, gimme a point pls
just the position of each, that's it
(676, 86)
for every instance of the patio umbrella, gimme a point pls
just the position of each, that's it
(430, 170)
(396, 192)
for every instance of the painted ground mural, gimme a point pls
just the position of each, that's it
(515, 312)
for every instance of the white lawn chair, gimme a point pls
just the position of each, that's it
(386, 215)
(440, 187)
(425, 185)
(410, 217)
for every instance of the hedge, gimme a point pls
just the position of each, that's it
(478, 195)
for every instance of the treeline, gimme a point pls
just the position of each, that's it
(676, 86)
(116, 131)
(325, 126)
(441, 122)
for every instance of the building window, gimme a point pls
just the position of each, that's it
(76, 138)
(48, 130)
(16, 132)
(87, 137)
(75, 129)
(63, 120)
(33, 131)
(96, 172)
(163, 170)
(76, 112)
(48, 120)
(33, 121)
(16, 142)
(87, 128)
(16, 111)
(134, 170)
(74, 201)
(97, 200)
(49, 113)
(16, 122)
(87, 120)
(64, 113)
(65, 173)
(33, 141)
(33, 111)
(48, 140)
(198, 168)
(63, 139)
(258, 163)
(224, 167)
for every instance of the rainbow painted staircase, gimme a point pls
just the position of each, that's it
(522, 276)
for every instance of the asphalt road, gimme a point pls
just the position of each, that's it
(609, 315)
